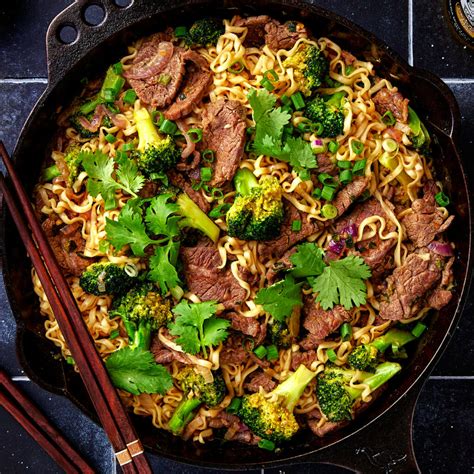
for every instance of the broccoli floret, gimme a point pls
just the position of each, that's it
(196, 392)
(309, 67)
(271, 415)
(257, 212)
(143, 311)
(285, 333)
(336, 398)
(327, 111)
(156, 153)
(105, 279)
(205, 32)
(367, 356)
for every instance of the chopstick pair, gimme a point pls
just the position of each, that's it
(113, 417)
(40, 429)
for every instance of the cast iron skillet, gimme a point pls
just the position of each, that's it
(380, 439)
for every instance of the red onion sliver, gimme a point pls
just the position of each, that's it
(351, 230)
(152, 66)
(190, 146)
(336, 247)
(442, 249)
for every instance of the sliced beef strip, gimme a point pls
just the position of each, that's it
(326, 164)
(410, 283)
(224, 126)
(312, 419)
(319, 322)
(347, 195)
(425, 222)
(165, 355)
(150, 90)
(394, 102)
(196, 83)
(233, 351)
(260, 379)
(67, 244)
(206, 280)
(284, 36)
(303, 358)
(247, 326)
(223, 420)
(287, 238)
(347, 57)
(439, 298)
(178, 180)
(255, 29)
(150, 189)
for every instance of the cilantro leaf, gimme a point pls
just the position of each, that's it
(342, 282)
(197, 326)
(299, 154)
(128, 229)
(159, 216)
(131, 181)
(307, 261)
(135, 371)
(100, 168)
(281, 298)
(162, 266)
(261, 102)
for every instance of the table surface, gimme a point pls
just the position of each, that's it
(416, 29)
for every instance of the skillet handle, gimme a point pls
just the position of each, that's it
(386, 445)
(64, 56)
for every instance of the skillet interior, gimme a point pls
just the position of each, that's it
(432, 100)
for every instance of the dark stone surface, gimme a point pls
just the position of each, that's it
(434, 45)
(443, 422)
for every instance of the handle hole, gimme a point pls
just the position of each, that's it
(93, 14)
(123, 3)
(67, 33)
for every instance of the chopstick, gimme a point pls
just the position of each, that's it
(113, 417)
(39, 428)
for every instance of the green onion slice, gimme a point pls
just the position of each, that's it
(266, 444)
(195, 134)
(118, 68)
(168, 127)
(267, 84)
(131, 269)
(296, 226)
(234, 405)
(271, 75)
(236, 67)
(110, 138)
(332, 356)
(272, 352)
(130, 96)
(326, 179)
(344, 164)
(388, 118)
(346, 331)
(442, 199)
(260, 352)
(357, 147)
(298, 101)
(390, 145)
(206, 174)
(419, 329)
(328, 193)
(329, 211)
(219, 210)
(359, 167)
(333, 146)
(345, 176)
(208, 156)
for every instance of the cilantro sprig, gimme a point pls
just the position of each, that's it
(337, 282)
(269, 125)
(197, 327)
(100, 169)
(135, 371)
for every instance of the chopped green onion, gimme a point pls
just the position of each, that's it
(304, 174)
(108, 95)
(390, 145)
(296, 225)
(318, 146)
(157, 121)
(298, 101)
(131, 270)
(249, 146)
(266, 444)
(344, 164)
(180, 31)
(332, 356)
(267, 84)
(234, 406)
(326, 179)
(345, 176)
(236, 67)
(271, 74)
(89, 107)
(208, 156)
(357, 147)
(104, 246)
(359, 168)
(196, 185)
(285, 100)
(168, 127)
(346, 331)
(110, 138)
(288, 109)
(333, 146)
(442, 199)
(219, 210)
(128, 146)
(349, 70)
(272, 352)
(217, 193)
(328, 193)
(304, 127)
(388, 118)
(418, 330)
(329, 211)
(51, 172)
(317, 193)
(130, 96)
(195, 134)
(164, 79)
(250, 130)
(70, 360)
(318, 128)
(206, 174)
(260, 352)
(115, 333)
(118, 68)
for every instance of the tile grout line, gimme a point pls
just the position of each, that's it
(410, 32)
(24, 80)
(457, 80)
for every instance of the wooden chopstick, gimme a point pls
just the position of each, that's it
(112, 414)
(39, 428)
